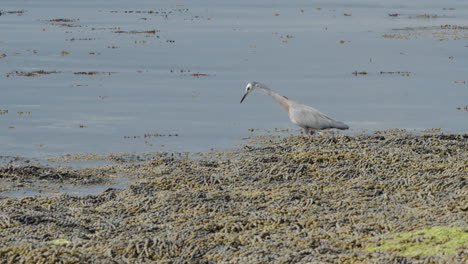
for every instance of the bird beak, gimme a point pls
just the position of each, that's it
(243, 97)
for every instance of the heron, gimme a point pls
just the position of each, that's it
(308, 118)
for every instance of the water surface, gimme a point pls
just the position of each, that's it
(148, 62)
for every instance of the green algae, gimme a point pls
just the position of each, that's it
(58, 241)
(437, 240)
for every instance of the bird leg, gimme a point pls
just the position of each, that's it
(309, 131)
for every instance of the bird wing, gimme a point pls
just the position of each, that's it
(308, 117)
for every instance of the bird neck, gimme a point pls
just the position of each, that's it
(283, 101)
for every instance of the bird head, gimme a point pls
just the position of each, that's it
(249, 88)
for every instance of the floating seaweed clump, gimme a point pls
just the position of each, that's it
(66, 20)
(402, 73)
(31, 73)
(153, 31)
(429, 16)
(441, 33)
(359, 73)
(197, 74)
(294, 199)
(15, 12)
(151, 135)
(396, 36)
(92, 73)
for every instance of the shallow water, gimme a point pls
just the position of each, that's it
(49, 189)
(142, 85)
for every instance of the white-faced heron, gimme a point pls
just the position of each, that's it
(310, 119)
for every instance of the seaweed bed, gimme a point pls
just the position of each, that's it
(295, 199)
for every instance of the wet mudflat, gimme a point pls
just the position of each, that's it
(383, 198)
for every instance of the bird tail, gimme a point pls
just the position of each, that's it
(341, 125)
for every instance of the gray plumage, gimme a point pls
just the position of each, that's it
(310, 119)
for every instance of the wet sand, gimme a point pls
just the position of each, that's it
(295, 199)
